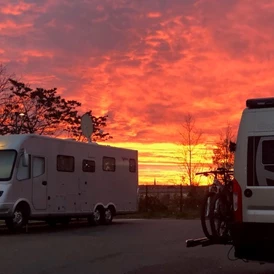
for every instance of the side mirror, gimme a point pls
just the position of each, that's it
(25, 159)
(232, 146)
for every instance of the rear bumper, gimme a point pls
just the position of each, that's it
(254, 241)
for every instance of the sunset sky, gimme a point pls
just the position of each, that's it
(145, 63)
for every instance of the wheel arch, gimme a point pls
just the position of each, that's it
(99, 206)
(23, 203)
(112, 207)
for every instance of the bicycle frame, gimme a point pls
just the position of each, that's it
(218, 187)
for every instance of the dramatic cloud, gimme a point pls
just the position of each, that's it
(145, 63)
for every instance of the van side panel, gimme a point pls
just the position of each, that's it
(253, 168)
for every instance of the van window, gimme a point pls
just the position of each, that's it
(23, 172)
(132, 165)
(65, 163)
(88, 166)
(109, 164)
(38, 167)
(268, 152)
(260, 161)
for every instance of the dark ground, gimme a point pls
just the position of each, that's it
(132, 246)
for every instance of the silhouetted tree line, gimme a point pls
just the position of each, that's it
(42, 111)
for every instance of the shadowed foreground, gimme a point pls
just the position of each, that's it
(127, 246)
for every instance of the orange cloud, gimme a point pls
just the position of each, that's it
(13, 9)
(9, 25)
(37, 53)
(146, 65)
(154, 15)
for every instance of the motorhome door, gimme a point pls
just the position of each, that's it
(39, 182)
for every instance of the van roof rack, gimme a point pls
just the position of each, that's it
(260, 102)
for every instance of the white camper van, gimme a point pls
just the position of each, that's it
(54, 179)
(252, 225)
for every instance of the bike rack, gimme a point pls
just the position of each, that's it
(196, 242)
(206, 242)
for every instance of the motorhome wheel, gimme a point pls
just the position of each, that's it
(108, 216)
(18, 220)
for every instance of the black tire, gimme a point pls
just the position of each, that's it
(221, 212)
(19, 219)
(206, 214)
(97, 217)
(108, 216)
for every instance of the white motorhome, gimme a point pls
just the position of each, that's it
(55, 179)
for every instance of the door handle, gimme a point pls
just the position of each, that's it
(44, 183)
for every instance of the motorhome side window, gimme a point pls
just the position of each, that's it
(38, 166)
(109, 164)
(132, 165)
(23, 172)
(65, 163)
(88, 166)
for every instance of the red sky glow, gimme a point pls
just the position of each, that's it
(145, 64)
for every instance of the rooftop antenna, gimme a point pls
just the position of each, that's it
(87, 126)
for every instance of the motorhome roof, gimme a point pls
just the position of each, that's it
(17, 139)
(14, 141)
(260, 102)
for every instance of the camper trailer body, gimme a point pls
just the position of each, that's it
(50, 178)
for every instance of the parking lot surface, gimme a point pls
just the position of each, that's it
(127, 246)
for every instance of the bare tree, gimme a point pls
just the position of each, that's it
(4, 93)
(222, 156)
(191, 155)
(4, 79)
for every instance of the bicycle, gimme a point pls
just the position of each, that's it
(221, 209)
(207, 210)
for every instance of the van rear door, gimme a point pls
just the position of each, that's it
(258, 197)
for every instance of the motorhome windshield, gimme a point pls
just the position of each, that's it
(7, 158)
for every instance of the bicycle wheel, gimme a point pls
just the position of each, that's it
(205, 214)
(220, 216)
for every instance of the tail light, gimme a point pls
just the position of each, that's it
(237, 202)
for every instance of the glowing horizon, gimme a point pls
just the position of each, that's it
(162, 165)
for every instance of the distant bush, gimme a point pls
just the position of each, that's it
(151, 203)
(170, 202)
